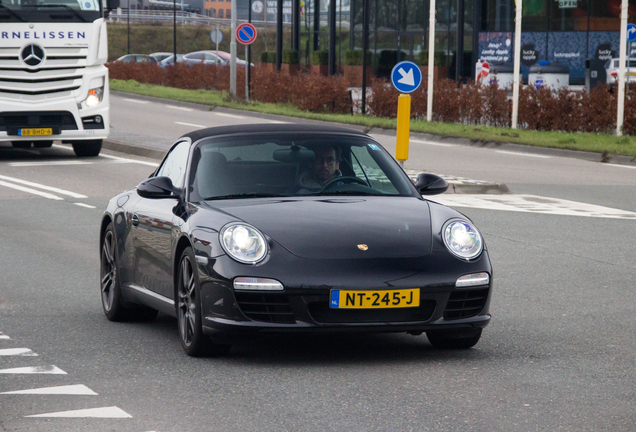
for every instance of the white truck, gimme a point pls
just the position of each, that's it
(53, 82)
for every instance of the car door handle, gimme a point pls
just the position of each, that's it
(135, 219)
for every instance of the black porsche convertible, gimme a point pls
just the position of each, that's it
(254, 229)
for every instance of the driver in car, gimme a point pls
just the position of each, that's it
(324, 167)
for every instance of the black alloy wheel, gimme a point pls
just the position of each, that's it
(454, 339)
(188, 305)
(111, 287)
(109, 277)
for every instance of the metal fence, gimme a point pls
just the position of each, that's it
(183, 18)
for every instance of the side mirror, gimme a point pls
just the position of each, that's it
(430, 184)
(112, 4)
(157, 188)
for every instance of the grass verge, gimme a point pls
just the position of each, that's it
(597, 143)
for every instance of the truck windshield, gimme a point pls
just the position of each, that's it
(49, 10)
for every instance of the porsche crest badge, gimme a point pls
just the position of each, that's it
(363, 247)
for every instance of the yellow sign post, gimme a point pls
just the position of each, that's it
(403, 128)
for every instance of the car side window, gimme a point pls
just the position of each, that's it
(196, 56)
(174, 165)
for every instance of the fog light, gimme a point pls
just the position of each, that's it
(98, 119)
(257, 284)
(474, 279)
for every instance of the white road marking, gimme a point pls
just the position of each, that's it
(31, 191)
(191, 124)
(277, 121)
(532, 204)
(432, 143)
(17, 352)
(43, 187)
(523, 154)
(4, 336)
(228, 115)
(54, 370)
(85, 205)
(30, 164)
(136, 101)
(620, 166)
(106, 412)
(78, 390)
(126, 160)
(179, 108)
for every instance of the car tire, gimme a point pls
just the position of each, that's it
(454, 339)
(89, 148)
(21, 144)
(188, 308)
(42, 144)
(110, 286)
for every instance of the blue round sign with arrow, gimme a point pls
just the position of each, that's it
(631, 32)
(406, 76)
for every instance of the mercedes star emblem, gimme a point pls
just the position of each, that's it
(32, 55)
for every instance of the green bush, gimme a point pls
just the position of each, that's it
(439, 58)
(355, 57)
(264, 58)
(291, 57)
(390, 57)
(320, 57)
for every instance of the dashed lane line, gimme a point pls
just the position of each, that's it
(191, 124)
(106, 412)
(178, 107)
(54, 163)
(228, 115)
(43, 187)
(26, 352)
(31, 191)
(4, 336)
(51, 370)
(85, 205)
(126, 160)
(136, 101)
(75, 390)
(523, 154)
(432, 143)
(620, 166)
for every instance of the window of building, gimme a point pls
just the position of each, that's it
(213, 13)
(220, 13)
(228, 13)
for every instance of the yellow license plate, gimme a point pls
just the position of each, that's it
(35, 131)
(348, 299)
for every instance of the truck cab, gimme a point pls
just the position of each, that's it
(53, 82)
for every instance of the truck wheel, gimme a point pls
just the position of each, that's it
(42, 144)
(21, 144)
(89, 148)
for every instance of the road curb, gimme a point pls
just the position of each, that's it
(133, 149)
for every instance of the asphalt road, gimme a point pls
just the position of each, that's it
(559, 355)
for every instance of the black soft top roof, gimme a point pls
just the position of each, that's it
(267, 128)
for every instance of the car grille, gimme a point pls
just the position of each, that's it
(322, 313)
(272, 308)
(464, 304)
(60, 74)
(9, 121)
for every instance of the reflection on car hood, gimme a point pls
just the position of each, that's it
(334, 227)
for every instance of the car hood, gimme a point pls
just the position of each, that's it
(339, 228)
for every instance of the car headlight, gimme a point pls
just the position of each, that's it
(243, 242)
(94, 97)
(463, 240)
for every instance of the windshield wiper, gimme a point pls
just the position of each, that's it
(12, 12)
(244, 195)
(58, 5)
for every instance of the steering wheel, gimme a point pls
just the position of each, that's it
(343, 179)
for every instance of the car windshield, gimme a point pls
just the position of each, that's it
(50, 10)
(294, 165)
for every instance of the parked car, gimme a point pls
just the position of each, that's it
(612, 67)
(170, 60)
(226, 56)
(136, 58)
(159, 56)
(204, 57)
(247, 230)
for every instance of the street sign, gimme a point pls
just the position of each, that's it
(485, 69)
(631, 32)
(257, 6)
(216, 36)
(246, 33)
(406, 76)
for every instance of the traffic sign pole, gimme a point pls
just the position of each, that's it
(621, 70)
(431, 61)
(403, 128)
(517, 65)
(233, 52)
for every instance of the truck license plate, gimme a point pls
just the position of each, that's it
(348, 299)
(35, 131)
